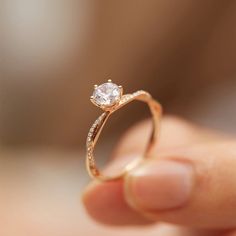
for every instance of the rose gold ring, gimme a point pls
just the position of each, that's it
(109, 97)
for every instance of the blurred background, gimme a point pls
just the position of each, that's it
(52, 52)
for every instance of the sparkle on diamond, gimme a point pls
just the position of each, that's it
(107, 94)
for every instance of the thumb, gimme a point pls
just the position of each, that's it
(194, 186)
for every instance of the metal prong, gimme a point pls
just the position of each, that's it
(91, 98)
(95, 86)
(109, 80)
(121, 89)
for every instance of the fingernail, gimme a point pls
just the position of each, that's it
(160, 185)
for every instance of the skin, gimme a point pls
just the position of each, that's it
(178, 47)
(210, 205)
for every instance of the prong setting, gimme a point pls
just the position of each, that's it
(107, 95)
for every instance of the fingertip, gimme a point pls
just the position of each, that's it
(105, 203)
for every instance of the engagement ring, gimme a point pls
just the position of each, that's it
(109, 97)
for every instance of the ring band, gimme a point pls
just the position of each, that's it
(109, 97)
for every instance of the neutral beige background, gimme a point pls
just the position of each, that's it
(52, 52)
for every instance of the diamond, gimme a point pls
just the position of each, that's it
(107, 94)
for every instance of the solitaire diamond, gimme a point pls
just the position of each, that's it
(107, 94)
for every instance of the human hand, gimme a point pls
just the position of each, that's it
(190, 181)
